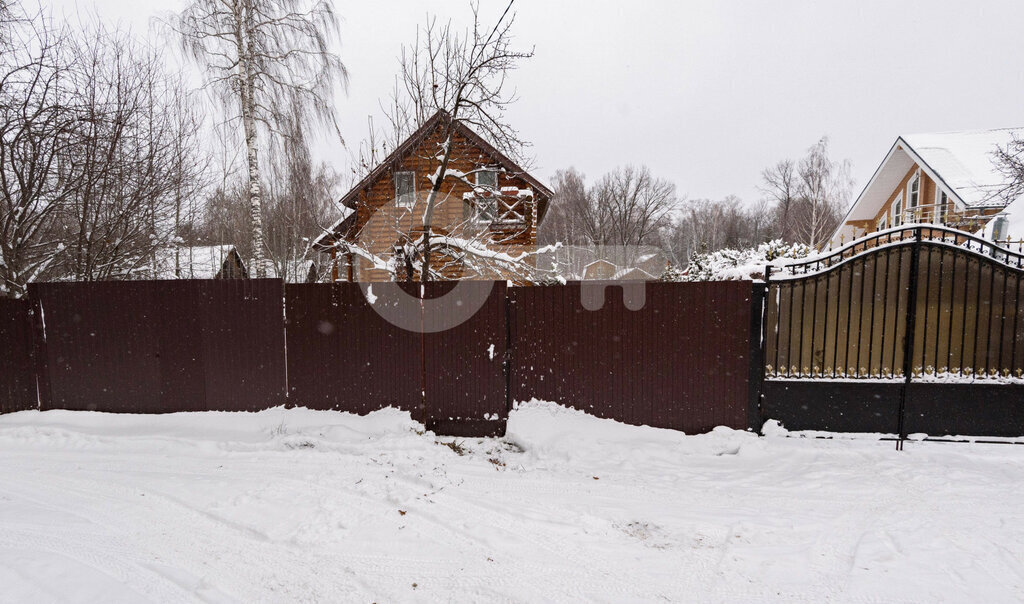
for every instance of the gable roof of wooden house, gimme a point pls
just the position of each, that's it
(350, 200)
(962, 164)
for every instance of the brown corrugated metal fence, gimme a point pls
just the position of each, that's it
(17, 378)
(161, 346)
(342, 355)
(463, 366)
(680, 362)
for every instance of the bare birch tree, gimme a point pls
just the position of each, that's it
(266, 59)
(1009, 160)
(809, 195)
(301, 204)
(824, 192)
(626, 207)
(569, 215)
(98, 154)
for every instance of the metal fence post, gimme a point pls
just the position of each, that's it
(506, 364)
(759, 342)
(758, 316)
(908, 337)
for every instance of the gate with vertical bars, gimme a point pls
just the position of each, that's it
(900, 332)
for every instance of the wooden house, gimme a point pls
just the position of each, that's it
(951, 179)
(486, 198)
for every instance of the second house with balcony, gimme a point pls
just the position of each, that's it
(951, 179)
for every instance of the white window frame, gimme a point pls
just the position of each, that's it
(941, 205)
(491, 201)
(488, 171)
(916, 180)
(412, 196)
(897, 210)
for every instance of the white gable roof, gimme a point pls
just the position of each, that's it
(966, 163)
(963, 164)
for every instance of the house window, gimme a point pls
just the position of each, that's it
(941, 202)
(883, 222)
(913, 197)
(897, 211)
(486, 204)
(487, 179)
(405, 189)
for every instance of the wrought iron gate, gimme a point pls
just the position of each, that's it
(914, 329)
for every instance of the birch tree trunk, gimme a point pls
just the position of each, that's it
(243, 40)
(255, 196)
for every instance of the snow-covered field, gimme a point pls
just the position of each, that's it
(296, 505)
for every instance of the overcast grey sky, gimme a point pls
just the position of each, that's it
(708, 93)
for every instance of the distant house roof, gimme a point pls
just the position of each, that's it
(195, 262)
(599, 269)
(410, 144)
(963, 164)
(633, 274)
(1013, 229)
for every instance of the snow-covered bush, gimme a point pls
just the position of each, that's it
(732, 265)
(673, 272)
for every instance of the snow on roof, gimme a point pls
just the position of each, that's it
(963, 164)
(966, 162)
(197, 262)
(1014, 227)
(632, 274)
(295, 270)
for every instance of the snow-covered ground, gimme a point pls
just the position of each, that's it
(296, 505)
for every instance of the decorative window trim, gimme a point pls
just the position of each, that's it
(897, 210)
(912, 201)
(483, 171)
(941, 205)
(485, 210)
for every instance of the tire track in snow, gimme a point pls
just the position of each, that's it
(253, 563)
